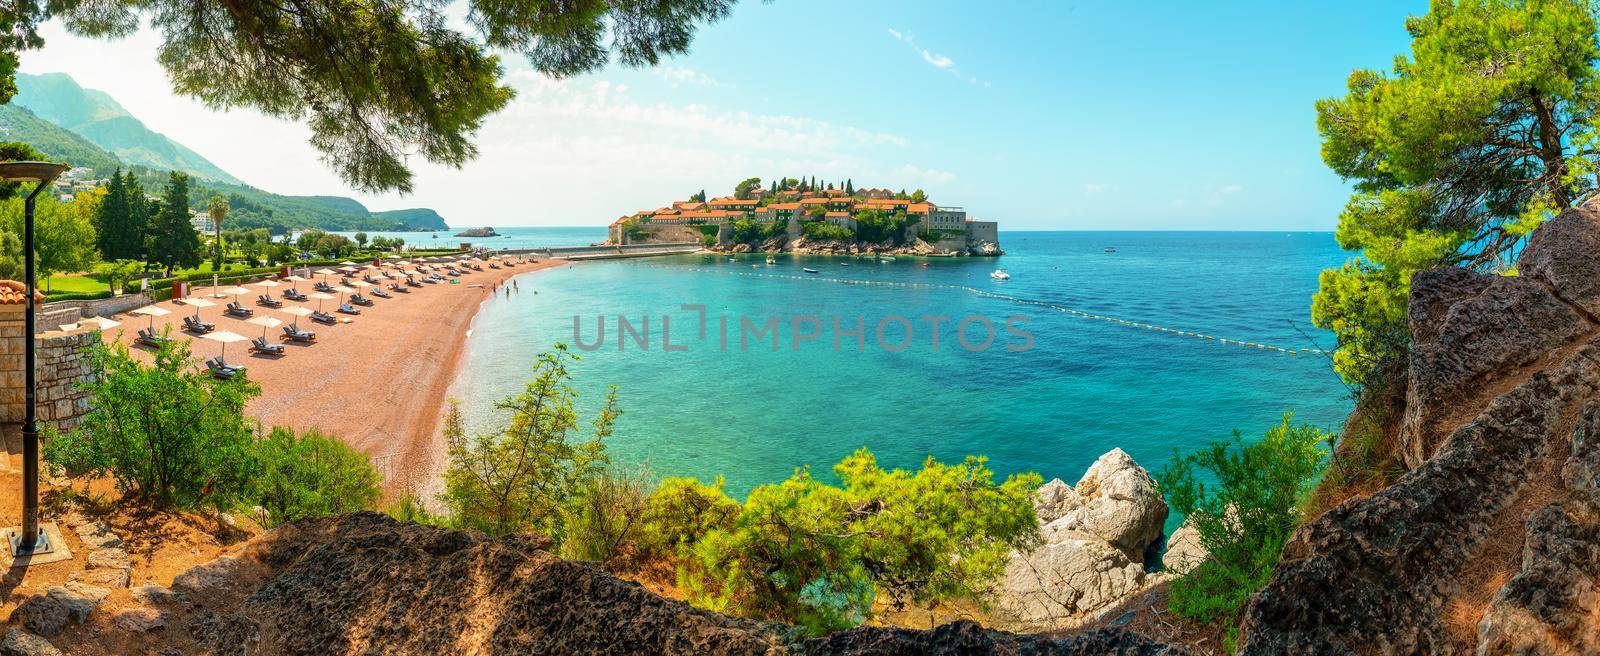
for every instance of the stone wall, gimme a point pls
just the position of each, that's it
(63, 362)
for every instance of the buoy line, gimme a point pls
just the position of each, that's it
(1006, 297)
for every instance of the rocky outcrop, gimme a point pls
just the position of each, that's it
(966, 638)
(1184, 550)
(1096, 537)
(365, 583)
(478, 232)
(1467, 328)
(1500, 366)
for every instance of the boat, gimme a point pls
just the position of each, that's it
(755, 266)
(886, 258)
(999, 274)
(771, 260)
(925, 265)
(844, 264)
(1110, 249)
(808, 270)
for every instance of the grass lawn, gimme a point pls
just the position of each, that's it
(76, 283)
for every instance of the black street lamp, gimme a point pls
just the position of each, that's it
(29, 540)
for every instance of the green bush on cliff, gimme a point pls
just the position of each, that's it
(827, 231)
(819, 555)
(1243, 499)
(525, 475)
(166, 433)
(310, 474)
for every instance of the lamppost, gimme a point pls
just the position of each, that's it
(29, 540)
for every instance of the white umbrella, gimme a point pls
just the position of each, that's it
(296, 279)
(266, 283)
(226, 338)
(361, 283)
(343, 289)
(348, 263)
(236, 291)
(153, 312)
(320, 298)
(265, 322)
(325, 272)
(197, 302)
(99, 323)
(348, 269)
(296, 310)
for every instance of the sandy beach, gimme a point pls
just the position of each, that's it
(378, 382)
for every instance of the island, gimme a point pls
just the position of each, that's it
(478, 232)
(804, 216)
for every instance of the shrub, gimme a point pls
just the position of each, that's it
(311, 475)
(1242, 498)
(166, 433)
(680, 512)
(827, 231)
(605, 518)
(818, 555)
(523, 476)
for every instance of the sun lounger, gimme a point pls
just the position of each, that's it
(380, 293)
(220, 369)
(293, 333)
(195, 325)
(412, 283)
(269, 301)
(150, 338)
(323, 287)
(323, 317)
(295, 295)
(361, 300)
(238, 310)
(347, 308)
(260, 345)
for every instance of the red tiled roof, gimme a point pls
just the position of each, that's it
(784, 206)
(16, 293)
(841, 214)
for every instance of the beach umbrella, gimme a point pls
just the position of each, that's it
(265, 322)
(153, 312)
(348, 263)
(268, 283)
(361, 283)
(296, 279)
(325, 272)
(348, 269)
(197, 302)
(320, 298)
(236, 291)
(98, 323)
(226, 338)
(296, 310)
(343, 289)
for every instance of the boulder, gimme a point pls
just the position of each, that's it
(140, 620)
(97, 535)
(1581, 472)
(1054, 500)
(1184, 550)
(49, 613)
(109, 558)
(21, 643)
(1565, 254)
(1119, 503)
(154, 595)
(206, 577)
(1550, 607)
(1066, 580)
(1467, 329)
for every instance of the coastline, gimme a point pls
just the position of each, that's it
(379, 383)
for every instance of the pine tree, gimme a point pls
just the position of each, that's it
(111, 221)
(173, 241)
(849, 187)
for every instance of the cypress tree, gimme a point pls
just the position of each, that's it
(111, 221)
(173, 241)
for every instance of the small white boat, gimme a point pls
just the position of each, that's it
(808, 270)
(755, 266)
(999, 274)
(844, 264)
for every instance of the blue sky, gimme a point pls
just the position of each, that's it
(1042, 115)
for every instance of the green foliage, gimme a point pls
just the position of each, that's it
(522, 477)
(873, 226)
(605, 518)
(64, 234)
(166, 433)
(827, 231)
(12, 151)
(171, 240)
(817, 555)
(119, 238)
(1243, 499)
(311, 475)
(751, 231)
(1488, 128)
(743, 189)
(121, 272)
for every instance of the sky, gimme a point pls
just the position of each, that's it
(1040, 115)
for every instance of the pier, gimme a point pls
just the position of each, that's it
(606, 252)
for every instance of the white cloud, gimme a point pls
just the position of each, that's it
(935, 59)
(1095, 188)
(680, 76)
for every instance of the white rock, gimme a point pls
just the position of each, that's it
(1054, 499)
(1120, 504)
(1073, 577)
(1184, 550)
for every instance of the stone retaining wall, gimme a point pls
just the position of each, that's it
(63, 363)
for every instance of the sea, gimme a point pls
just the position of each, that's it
(747, 370)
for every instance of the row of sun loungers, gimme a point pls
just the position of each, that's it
(220, 369)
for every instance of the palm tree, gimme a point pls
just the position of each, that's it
(217, 207)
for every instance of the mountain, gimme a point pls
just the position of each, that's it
(54, 101)
(57, 98)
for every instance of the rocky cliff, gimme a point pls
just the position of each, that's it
(1490, 544)
(367, 584)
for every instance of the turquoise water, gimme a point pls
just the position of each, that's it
(510, 237)
(1084, 387)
